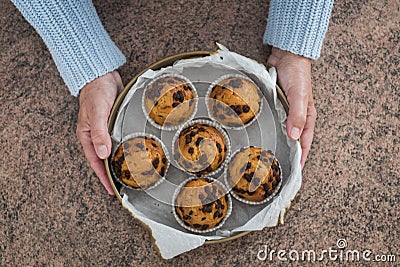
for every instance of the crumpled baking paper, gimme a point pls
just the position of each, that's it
(170, 238)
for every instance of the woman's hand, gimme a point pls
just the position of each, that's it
(96, 100)
(294, 76)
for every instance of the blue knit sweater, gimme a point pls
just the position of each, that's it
(83, 51)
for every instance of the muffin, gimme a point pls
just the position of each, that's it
(202, 204)
(169, 101)
(200, 148)
(140, 162)
(254, 175)
(234, 101)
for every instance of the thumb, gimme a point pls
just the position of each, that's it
(98, 129)
(298, 101)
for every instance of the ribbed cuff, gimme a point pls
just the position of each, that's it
(298, 26)
(81, 48)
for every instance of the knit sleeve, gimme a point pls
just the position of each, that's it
(298, 26)
(81, 48)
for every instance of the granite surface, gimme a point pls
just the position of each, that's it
(54, 212)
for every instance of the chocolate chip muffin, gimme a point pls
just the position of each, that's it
(140, 162)
(200, 149)
(169, 100)
(234, 101)
(254, 174)
(202, 204)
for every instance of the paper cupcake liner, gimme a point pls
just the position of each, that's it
(211, 123)
(147, 115)
(138, 134)
(241, 199)
(209, 111)
(228, 213)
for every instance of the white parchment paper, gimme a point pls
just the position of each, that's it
(154, 208)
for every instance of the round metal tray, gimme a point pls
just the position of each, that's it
(156, 66)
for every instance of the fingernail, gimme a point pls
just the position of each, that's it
(101, 151)
(110, 192)
(295, 133)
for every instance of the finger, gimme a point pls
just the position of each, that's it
(98, 129)
(308, 134)
(95, 162)
(298, 102)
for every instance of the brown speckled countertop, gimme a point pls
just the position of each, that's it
(54, 212)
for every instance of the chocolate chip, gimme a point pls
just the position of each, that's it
(170, 80)
(175, 96)
(179, 96)
(237, 109)
(217, 214)
(214, 189)
(230, 111)
(187, 87)
(205, 227)
(155, 163)
(207, 208)
(188, 139)
(246, 108)
(225, 148)
(242, 169)
(156, 103)
(126, 174)
(235, 83)
(219, 147)
(256, 181)
(164, 160)
(154, 145)
(207, 189)
(175, 104)
(153, 93)
(239, 190)
(192, 134)
(149, 172)
(191, 150)
(198, 141)
(247, 177)
(203, 219)
(196, 225)
(162, 171)
(248, 166)
(186, 217)
(266, 187)
(121, 159)
(126, 145)
(140, 145)
(209, 169)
